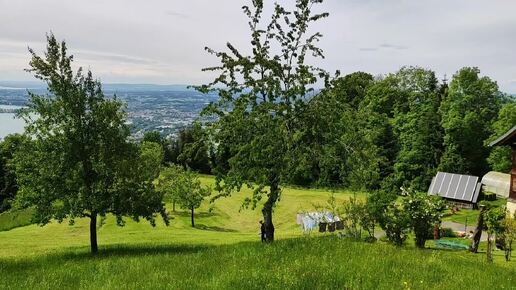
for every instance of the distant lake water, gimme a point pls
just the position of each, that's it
(8, 123)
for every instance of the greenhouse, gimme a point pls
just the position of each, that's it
(497, 183)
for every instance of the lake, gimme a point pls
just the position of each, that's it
(8, 123)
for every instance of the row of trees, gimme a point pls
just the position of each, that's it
(189, 149)
(416, 212)
(420, 214)
(381, 132)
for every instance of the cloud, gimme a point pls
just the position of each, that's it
(162, 41)
(384, 46)
(176, 14)
(368, 48)
(113, 57)
(393, 46)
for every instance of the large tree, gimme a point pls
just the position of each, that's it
(80, 163)
(334, 150)
(417, 128)
(8, 185)
(403, 121)
(500, 157)
(468, 112)
(261, 96)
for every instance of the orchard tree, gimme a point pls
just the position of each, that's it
(261, 96)
(184, 187)
(191, 193)
(80, 163)
(425, 212)
(167, 182)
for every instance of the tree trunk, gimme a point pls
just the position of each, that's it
(508, 251)
(193, 224)
(478, 232)
(489, 248)
(93, 233)
(267, 211)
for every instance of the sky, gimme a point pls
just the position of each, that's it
(162, 41)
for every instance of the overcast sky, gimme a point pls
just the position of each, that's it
(162, 41)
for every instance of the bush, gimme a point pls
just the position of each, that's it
(353, 213)
(396, 224)
(424, 212)
(447, 233)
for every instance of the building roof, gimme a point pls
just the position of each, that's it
(455, 186)
(509, 138)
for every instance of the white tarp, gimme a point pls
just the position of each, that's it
(311, 220)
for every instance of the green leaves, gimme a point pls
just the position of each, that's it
(500, 157)
(79, 162)
(182, 186)
(468, 113)
(259, 95)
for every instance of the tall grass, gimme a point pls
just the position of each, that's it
(302, 263)
(220, 254)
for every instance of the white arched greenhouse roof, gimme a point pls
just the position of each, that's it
(497, 183)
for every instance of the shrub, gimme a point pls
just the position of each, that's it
(447, 233)
(509, 234)
(353, 212)
(396, 224)
(424, 212)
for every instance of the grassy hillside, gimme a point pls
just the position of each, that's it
(14, 219)
(224, 252)
(224, 223)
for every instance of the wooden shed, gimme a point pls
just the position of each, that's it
(509, 139)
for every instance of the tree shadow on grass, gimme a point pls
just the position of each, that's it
(196, 214)
(105, 252)
(121, 250)
(214, 228)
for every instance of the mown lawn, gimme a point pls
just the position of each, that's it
(14, 219)
(223, 252)
(220, 223)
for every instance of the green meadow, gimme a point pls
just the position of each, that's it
(224, 251)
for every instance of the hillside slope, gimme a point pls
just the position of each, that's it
(220, 223)
(224, 252)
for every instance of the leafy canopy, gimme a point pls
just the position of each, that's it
(80, 162)
(261, 95)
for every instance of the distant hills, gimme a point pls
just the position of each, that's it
(110, 87)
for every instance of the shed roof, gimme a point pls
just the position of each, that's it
(455, 186)
(509, 138)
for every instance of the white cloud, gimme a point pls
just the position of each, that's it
(162, 41)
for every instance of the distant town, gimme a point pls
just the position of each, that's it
(166, 109)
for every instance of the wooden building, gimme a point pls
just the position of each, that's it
(509, 139)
